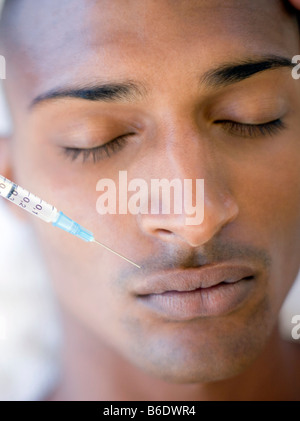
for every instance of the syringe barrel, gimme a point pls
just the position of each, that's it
(27, 201)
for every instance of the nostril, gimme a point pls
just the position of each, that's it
(163, 232)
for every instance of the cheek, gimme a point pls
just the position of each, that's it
(82, 273)
(269, 196)
(274, 200)
(265, 179)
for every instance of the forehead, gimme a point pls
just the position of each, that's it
(81, 42)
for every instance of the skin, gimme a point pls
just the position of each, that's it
(114, 347)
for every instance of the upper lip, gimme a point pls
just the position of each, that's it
(193, 278)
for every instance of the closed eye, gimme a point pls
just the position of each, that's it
(270, 128)
(99, 152)
(232, 127)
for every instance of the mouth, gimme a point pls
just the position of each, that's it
(206, 291)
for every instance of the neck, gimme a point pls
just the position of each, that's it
(91, 370)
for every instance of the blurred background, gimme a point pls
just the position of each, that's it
(29, 321)
(30, 336)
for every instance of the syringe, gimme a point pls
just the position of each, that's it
(48, 213)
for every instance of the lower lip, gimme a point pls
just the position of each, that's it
(218, 300)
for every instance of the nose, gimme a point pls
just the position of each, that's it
(193, 160)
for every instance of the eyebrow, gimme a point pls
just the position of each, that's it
(224, 75)
(230, 73)
(106, 92)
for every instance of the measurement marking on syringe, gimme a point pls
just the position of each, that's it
(12, 190)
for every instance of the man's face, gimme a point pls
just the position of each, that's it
(240, 136)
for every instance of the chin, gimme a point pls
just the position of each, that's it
(197, 370)
(202, 353)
